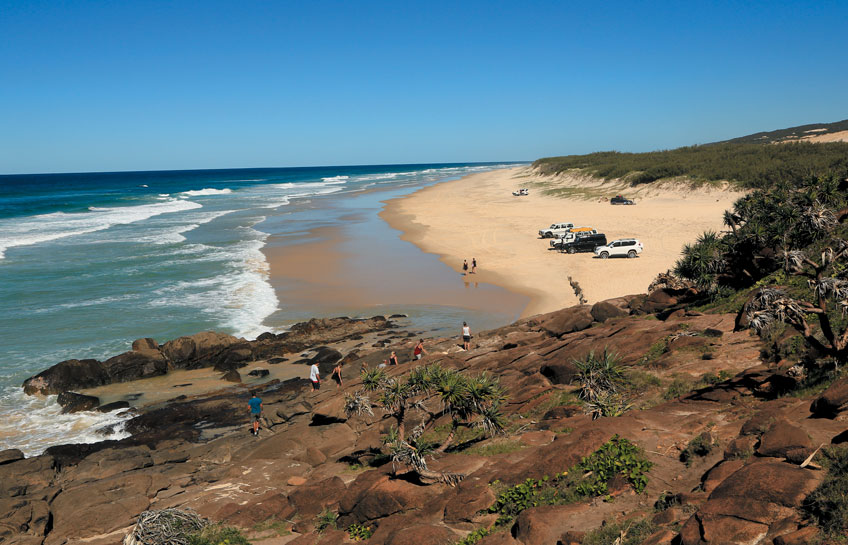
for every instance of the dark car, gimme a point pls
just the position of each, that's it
(585, 243)
(618, 199)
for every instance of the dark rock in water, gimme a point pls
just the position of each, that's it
(231, 376)
(398, 316)
(66, 375)
(259, 373)
(10, 455)
(67, 455)
(73, 402)
(114, 406)
(267, 336)
(276, 360)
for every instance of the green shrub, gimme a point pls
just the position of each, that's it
(701, 445)
(666, 500)
(474, 536)
(589, 478)
(678, 387)
(218, 535)
(632, 532)
(828, 504)
(359, 532)
(326, 519)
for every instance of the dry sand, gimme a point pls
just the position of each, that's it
(478, 216)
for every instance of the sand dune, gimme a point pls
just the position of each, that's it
(477, 216)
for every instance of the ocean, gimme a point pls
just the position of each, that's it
(89, 262)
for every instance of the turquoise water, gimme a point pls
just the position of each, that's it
(89, 262)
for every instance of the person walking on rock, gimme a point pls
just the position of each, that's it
(418, 350)
(315, 377)
(337, 375)
(255, 412)
(466, 336)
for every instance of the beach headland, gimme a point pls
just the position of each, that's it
(478, 217)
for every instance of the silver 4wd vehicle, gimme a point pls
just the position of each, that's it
(622, 247)
(555, 230)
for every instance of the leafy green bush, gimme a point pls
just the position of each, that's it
(359, 532)
(589, 478)
(218, 535)
(828, 504)
(632, 532)
(474, 536)
(326, 519)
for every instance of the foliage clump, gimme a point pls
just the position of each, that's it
(631, 532)
(700, 446)
(359, 532)
(429, 392)
(587, 479)
(601, 379)
(828, 504)
(326, 519)
(217, 535)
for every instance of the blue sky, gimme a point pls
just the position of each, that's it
(99, 86)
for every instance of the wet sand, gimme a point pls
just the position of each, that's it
(478, 216)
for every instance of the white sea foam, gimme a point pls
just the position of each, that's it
(207, 191)
(46, 227)
(336, 179)
(239, 296)
(33, 423)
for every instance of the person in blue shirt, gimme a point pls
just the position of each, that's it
(255, 411)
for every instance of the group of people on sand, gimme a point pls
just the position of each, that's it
(473, 266)
(418, 352)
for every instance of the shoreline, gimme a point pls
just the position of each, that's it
(477, 217)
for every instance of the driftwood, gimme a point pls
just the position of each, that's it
(165, 527)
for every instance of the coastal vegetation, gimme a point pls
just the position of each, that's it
(748, 165)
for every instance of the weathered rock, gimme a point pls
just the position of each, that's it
(231, 376)
(147, 343)
(72, 402)
(833, 400)
(198, 350)
(28, 517)
(781, 438)
(259, 373)
(66, 375)
(659, 299)
(114, 406)
(10, 455)
(741, 447)
(567, 320)
(545, 524)
(309, 500)
(559, 372)
(470, 497)
(233, 357)
(611, 308)
(135, 365)
(803, 536)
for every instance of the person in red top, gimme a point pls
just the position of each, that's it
(419, 350)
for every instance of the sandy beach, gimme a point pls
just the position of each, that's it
(478, 217)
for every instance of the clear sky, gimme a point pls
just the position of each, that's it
(138, 85)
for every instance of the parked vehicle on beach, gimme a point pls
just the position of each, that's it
(523, 192)
(555, 230)
(618, 199)
(570, 235)
(585, 242)
(623, 247)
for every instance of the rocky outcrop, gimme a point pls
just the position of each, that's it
(72, 402)
(833, 400)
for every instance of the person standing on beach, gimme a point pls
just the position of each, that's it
(466, 336)
(464, 266)
(337, 375)
(418, 350)
(393, 359)
(315, 377)
(255, 412)
(473, 265)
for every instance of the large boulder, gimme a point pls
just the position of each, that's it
(782, 438)
(611, 308)
(67, 375)
(567, 320)
(198, 350)
(546, 524)
(134, 365)
(418, 534)
(559, 372)
(10, 455)
(833, 400)
(72, 402)
(29, 517)
(309, 500)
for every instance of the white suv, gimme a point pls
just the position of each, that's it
(622, 247)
